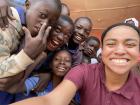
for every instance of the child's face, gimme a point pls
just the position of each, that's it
(61, 63)
(59, 35)
(82, 30)
(40, 12)
(91, 47)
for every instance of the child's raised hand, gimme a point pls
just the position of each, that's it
(35, 45)
(5, 13)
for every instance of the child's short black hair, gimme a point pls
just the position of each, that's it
(57, 2)
(93, 38)
(65, 6)
(68, 19)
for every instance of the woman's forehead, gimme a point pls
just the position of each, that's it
(122, 31)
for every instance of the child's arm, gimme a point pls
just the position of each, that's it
(11, 65)
(12, 84)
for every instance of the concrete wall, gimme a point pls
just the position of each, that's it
(104, 12)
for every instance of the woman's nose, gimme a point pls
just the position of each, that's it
(120, 50)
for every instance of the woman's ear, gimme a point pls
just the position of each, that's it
(27, 4)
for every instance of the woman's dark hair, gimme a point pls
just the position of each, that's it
(118, 24)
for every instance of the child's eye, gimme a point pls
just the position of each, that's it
(57, 59)
(87, 31)
(91, 45)
(43, 16)
(57, 30)
(68, 61)
(78, 27)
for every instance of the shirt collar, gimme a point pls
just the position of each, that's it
(21, 13)
(128, 89)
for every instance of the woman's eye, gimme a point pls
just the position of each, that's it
(110, 44)
(130, 45)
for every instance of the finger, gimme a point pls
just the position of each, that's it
(47, 22)
(1, 21)
(4, 16)
(10, 15)
(5, 21)
(3, 12)
(27, 33)
(46, 34)
(42, 31)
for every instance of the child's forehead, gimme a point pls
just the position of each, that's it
(81, 20)
(49, 4)
(64, 22)
(92, 41)
(37, 1)
(41, 2)
(63, 53)
(83, 23)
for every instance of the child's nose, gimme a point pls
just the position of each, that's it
(44, 21)
(61, 37)
(62, 61)
(81, 32)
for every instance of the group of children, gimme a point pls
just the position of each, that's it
(42, 43)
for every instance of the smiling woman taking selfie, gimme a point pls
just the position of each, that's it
(109, 82)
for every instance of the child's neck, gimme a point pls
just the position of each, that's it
(56, 80)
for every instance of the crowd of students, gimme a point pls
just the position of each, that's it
(46, 55)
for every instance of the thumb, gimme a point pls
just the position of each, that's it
(27, 33)
(10, 15)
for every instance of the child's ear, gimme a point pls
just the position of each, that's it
(27, 4)
(50, 65)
